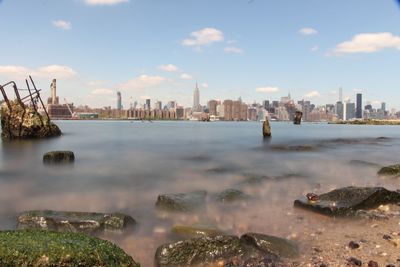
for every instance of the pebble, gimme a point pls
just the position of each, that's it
(354, 261)
(353, 245)
(387, 237)
(373, 264)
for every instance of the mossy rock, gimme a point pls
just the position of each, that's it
(58, 157)
(393, 170)
(182, 202)
(232, 195)
(67, 221)
(46, 248)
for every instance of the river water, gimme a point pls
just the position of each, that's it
(123, 166)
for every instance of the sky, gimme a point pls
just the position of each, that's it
(254, 49)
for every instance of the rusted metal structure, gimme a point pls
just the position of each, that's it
(32, 99)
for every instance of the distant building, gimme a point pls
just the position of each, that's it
(383, 106)
(359, 111)
(196, 99)
(228, 110)
(266, 104)
(212, 107)
(54, 108)
(350, 111)
(340, 110)
(119, 101)
(158, 105)
(148, 104)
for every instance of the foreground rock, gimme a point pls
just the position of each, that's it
(182, 202)
(348, 200)
(266, 128)
(232, 195)
(58, 157)
(25, 123)
(225, 250)
(297, 117)
(393, 170)
(64, 221)
(272, 245)
(45, 249)
(185, 232)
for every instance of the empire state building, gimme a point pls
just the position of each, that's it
(196, 99)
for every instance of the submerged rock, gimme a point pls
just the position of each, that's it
(182, 202)
(266, 128)
(232, 195)
(298, 148)
(196, 251)
(65, 221)
(186, 232)
(364, 163)
(25, 123)
(297, 117)
(272, 245)
(348, 200)
(253, 178)
(57, 157)
(46, 248)
(393, 170)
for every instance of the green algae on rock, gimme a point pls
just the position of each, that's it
(182, 202)
(47, 248)
(232, 195)
(184, 231)
(67, 221)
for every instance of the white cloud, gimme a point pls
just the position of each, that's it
(143, 82)
(102, 91)
(233, 49)
(312, 94)
(51, 71)
(314, 48)
(267, 89)
(368, 43)
(62, 24)
(105, 2)
(185, 76)
(204, 37)
(308, 31)
(168, 68)
(204, 85)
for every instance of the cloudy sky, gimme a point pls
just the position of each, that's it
(256, 49)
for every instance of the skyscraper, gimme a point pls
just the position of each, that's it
(359, 111)
(341, 94)
(119, 101)
(148, 107)
(383, 106)
(340, 110)
(196, 99)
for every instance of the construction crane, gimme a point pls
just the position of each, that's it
(73, 115)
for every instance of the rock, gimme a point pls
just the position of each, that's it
(364, 163)
(187, 232)
(65, 221)
(353, 245)
(348, 200)
(232, 195)
(266, 128)
(255, 179)
(271, 245)
(25, 123)
(355, 262)
(196, 251)
(58, 157)
(297, 117)
(182, 202)
(373, 264)
(393, 170)
(46, 248)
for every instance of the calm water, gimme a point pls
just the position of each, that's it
(123, 166)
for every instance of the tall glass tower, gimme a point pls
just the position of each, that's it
(359, 111)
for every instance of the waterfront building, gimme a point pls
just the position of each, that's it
(212, 107)
(148, 104)
(228, 110)
(158, 105)
(54, 108)
(350, 111)
(340, 110)
(359, 113)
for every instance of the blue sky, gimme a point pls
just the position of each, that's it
(257, 49)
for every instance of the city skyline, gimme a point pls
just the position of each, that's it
(323, 47)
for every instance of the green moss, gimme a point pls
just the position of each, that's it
(46, 248)
(392, 170)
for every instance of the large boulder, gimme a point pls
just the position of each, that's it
(25, 123)
(272, 245)
(348, 200)
(393, 170)
(66, 221)
(58, 157)
(46, 248)
(182, 202)
(226, 250)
